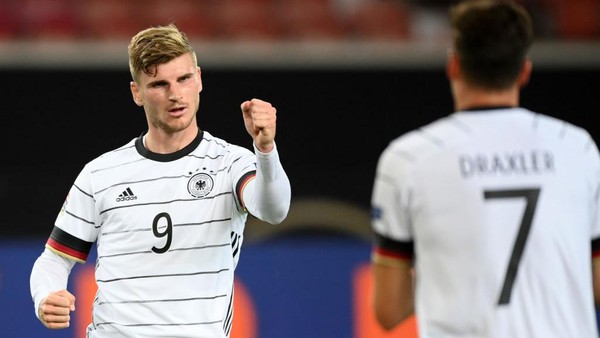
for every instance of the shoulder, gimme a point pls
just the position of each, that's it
(213, 141)
(572, 139)
(567, 131)
(218, 145)
(124, 153)
(422, 142)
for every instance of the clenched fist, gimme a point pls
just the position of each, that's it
(260, 119)
(55, 309)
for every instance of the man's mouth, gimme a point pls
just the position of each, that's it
(176, 111)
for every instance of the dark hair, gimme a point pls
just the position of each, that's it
(492, 39)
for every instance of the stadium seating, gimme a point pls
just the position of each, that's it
(274, 20)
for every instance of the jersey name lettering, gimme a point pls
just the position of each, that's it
(523, 163)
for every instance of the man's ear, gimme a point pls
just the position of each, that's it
(135, 93)
(525, 73)
(452, 66)
(199, 74)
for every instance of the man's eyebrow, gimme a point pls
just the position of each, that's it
(186, 75)
(163, 82)
(157, 82)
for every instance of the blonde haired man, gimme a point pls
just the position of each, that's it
(167, 210)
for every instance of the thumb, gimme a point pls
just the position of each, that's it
(245, 106)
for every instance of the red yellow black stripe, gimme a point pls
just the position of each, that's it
(65, 244)
(596, 248)
(239, 188)
(393, 249)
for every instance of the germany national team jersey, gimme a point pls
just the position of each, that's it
(499, 209)
(168, 230)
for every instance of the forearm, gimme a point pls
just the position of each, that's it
(392, 291)
(50, 273)
(268, 196)
(596, 280)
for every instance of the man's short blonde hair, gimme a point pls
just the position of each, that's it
(154, 46)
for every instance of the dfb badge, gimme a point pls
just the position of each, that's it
(200, 185)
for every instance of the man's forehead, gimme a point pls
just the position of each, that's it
(173, 69)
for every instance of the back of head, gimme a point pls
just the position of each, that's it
(154, 46)
(492, 39)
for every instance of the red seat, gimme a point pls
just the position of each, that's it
(8, 22)
(48, 19)
(246, 20)
(382, 20)
(310, 20)
(194, 18)
(577, 19)
(112, 19)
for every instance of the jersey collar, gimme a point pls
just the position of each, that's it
(485, 108)
(139, 146)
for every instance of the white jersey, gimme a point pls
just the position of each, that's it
(501, 210)
(168, 230)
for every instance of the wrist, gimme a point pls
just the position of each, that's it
(264, 148)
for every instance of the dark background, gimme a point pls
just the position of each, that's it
(332, 124)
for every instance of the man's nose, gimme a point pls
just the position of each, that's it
(175, 93)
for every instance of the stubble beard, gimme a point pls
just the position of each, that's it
(174, 125)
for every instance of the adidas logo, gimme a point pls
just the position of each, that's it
(126, 195)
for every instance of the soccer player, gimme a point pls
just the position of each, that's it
(494, 208)
(166, 211)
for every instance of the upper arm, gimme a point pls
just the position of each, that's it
(393, 249)
(244, 189)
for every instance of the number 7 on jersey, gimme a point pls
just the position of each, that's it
(531, 196)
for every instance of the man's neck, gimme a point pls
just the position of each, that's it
(485, 98)
(161, 142)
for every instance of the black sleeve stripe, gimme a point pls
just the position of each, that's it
(64, 242)
(396, 248)
(241, 183)
(596, 247)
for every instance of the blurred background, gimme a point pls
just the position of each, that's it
(347, 76)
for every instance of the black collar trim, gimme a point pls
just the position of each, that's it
(484, 108)
(139, 146)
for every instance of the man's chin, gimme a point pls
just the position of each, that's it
(177, 126)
